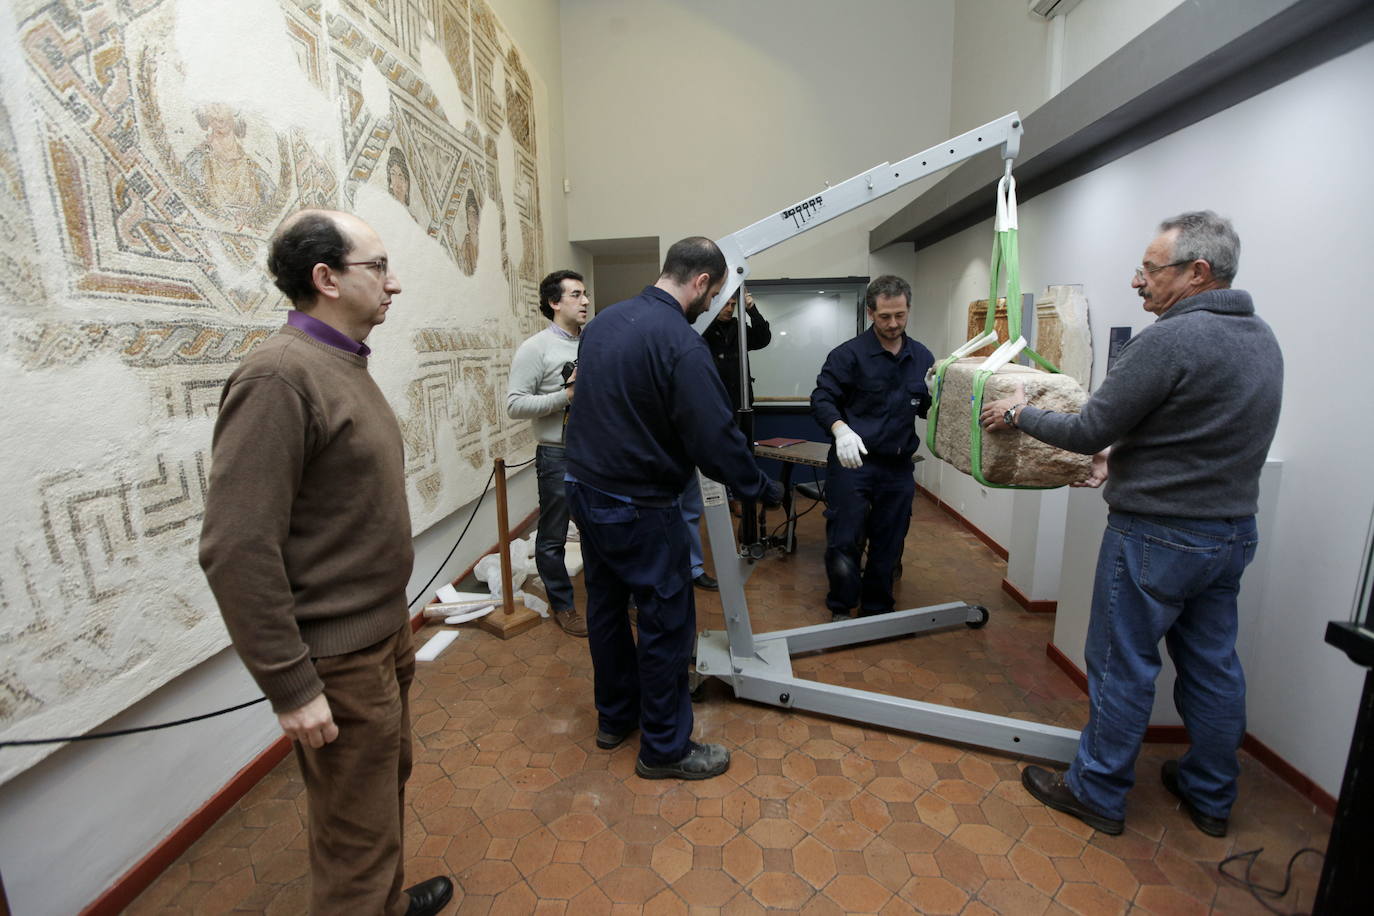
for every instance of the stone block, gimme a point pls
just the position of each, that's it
(1011, 458)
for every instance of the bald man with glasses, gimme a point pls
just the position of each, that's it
(306, 545)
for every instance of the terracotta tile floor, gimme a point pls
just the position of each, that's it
(511, 797)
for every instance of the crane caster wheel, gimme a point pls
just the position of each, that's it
(696, 687)
(982, 620)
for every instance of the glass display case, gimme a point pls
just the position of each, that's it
(808, 319)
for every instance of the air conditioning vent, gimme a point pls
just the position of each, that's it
(1048, 9)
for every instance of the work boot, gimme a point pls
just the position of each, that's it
(1212, 826)
(702, 761)
(571, 621)
(1049, 788)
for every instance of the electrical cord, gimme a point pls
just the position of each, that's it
(117, 733)
(816, 479)
(1254, 887)
(485, 490)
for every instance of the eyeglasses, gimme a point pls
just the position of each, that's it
(575, 294)
(1142, 270)
(381, 265)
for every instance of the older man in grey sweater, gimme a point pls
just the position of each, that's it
(1183, 422)
(542, 377)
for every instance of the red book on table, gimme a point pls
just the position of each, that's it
(779, 442)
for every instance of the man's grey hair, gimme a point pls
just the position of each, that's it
(1205, 236)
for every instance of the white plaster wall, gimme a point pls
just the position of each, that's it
(701, 118)
(1007, 59)
(1301, 225)
(76, 822)
(1096, 29)
(1001, 57)
(621, 276)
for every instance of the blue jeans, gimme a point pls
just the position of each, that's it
(638, 551)
(552, 536)
(1174, 579)
(690, 504)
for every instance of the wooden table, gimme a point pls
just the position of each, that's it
(807, 454)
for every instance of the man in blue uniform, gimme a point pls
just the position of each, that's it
(650, 409)
(868, 396)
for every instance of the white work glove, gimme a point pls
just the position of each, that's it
(849, 447)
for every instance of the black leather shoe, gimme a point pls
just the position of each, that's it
(429, 897)
(706, 582)
(608, 740)
(1049, 788)
(1212, 826)
(702, 761)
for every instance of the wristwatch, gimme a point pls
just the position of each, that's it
(1009, 415)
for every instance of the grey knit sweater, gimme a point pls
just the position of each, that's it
(1189, 408)
(536, 383)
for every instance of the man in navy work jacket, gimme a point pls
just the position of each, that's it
(650, 409)
(868, 396)
(1183, 490)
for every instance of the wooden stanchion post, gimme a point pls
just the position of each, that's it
(512, 620)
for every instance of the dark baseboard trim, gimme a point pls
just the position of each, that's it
(974, 529)
(1177, 734)
(1067, 666)
(137, 879)
(1034, 605)
(1290, 774)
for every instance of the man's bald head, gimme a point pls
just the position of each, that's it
(303, 240)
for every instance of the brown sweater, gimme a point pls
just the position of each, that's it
(306, 541)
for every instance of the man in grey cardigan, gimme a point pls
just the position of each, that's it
(1187, 414)
(542, 376)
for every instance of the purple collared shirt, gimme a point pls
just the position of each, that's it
(322, 332)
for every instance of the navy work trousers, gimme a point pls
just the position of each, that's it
(869, 504)
(641, 551)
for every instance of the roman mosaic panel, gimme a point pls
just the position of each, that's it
(148, 148)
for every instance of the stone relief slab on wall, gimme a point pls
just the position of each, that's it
(147, 151)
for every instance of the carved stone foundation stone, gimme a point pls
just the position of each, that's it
(1012, 457)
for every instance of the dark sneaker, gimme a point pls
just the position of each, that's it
(707, 582)
(1049, 788)
(608, 740)
(701, 762)
(837, 616)
(1212, 826)
(571, 621)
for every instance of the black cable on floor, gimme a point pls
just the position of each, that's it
(1254, 887)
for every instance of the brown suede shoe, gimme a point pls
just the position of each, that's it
(571, 621)
(1049, 788)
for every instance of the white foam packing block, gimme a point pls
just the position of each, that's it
(572, 557)
(434, 645)
(1009, 457)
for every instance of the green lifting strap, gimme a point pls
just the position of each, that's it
(1004, 256)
